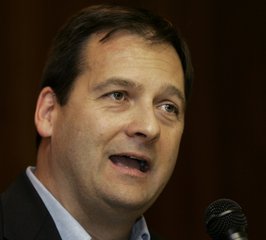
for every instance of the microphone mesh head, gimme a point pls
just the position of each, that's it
(224, 215)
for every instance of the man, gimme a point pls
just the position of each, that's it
(109, 117)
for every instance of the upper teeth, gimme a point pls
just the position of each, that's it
(135, 158)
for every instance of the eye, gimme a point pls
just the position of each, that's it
(117, 96)
(170, 108)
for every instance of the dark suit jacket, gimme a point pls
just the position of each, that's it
(23, 215)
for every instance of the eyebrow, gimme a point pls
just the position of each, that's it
(116, 82)
(174, 91)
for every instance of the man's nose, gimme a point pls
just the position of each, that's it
(144, 124)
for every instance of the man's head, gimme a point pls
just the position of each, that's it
(111, 111)
(66, 58)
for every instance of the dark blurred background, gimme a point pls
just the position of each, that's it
(223, 150)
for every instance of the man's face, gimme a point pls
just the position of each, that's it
(115, 143)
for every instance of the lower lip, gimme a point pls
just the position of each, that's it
(132, 172)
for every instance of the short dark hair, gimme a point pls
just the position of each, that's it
(65, 61)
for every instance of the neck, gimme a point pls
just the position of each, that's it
(106, 225)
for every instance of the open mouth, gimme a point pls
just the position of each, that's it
(130, 162)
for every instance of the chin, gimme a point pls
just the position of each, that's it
(130, 204)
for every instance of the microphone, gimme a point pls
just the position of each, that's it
(225, 220)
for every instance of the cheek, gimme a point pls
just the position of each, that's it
(171, 141)
(106, 126)
(169, 150)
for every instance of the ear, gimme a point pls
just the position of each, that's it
(45, 112)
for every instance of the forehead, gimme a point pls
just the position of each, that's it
(130, 56)
(126, 44)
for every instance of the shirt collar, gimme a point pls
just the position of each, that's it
(67, 226)
(140, 230)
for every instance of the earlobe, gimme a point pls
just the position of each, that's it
(45, 112)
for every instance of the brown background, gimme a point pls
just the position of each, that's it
(223, 150)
